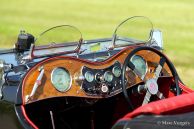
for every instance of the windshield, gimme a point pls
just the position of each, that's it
(64, 39)
(58, 39)
(133, 30)
(137, 29)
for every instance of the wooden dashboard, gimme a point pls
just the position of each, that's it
(45, 88)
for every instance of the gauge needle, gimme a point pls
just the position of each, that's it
(59, 80)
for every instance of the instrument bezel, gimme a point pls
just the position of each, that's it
(70, 83)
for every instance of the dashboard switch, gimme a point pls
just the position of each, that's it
(104, 88)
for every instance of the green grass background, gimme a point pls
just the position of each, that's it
(97, 19)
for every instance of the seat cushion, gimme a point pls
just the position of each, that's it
(175, 105)
(180, 121)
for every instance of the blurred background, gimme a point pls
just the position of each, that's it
(98, 19)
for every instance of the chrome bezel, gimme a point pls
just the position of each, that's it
(105, 74)
(52, 74)
(91, 74)
(113, 71)
(144, 62)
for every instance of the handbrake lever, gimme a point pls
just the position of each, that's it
(36, 84)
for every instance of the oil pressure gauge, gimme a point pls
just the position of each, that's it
(89, 76)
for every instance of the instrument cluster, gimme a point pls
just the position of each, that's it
(93, 81)
(101, 81)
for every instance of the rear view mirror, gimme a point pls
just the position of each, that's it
(157, 38)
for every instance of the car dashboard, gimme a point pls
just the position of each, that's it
(62, 76)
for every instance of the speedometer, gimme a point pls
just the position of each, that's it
(140, 64)
(61, 79)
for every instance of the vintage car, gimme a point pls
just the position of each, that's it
(123, 82)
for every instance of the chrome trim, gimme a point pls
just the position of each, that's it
(2, 79)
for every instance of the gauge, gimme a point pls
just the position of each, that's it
(89, 76)
(108, 76)
(140, 64)
(116, 71)
(61, 79)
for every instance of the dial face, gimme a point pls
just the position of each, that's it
(89, 76)
(140, 64)
(116, 71)
(108, 76)
(61, 79)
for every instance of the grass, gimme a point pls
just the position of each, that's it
(97, 19)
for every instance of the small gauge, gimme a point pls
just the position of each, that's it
(61, 79)
(89, 76)
(108, 76)
(116, 71)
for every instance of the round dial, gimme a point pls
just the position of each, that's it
(108, 76)
(61, 79)
(116, 71)
(140, 64)
(89, 76)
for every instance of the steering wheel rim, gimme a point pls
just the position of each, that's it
(125, 65)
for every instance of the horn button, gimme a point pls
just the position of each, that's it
(152, 86)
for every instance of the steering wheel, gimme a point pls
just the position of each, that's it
(151, 83)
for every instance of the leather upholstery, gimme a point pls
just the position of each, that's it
(174, 105)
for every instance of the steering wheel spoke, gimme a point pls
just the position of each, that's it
(159, 68)
(147, 98)
(160, 95)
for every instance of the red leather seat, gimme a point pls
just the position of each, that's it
(175, 105)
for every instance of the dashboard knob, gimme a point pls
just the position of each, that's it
(99, 77)
(104, 88)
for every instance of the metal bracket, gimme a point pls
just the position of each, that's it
(30, 56)
(2, 81)
(3, 68)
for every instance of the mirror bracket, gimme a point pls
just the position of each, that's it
(30, 55)
(157, 39)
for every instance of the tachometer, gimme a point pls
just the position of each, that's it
(140, 64)
(61, 79)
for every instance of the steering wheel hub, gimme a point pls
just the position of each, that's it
(152, 86)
